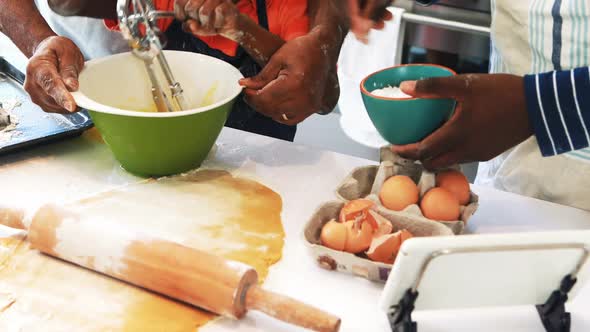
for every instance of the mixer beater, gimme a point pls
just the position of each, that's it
(137, 21)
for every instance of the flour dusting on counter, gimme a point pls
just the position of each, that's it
(390, 92)
(8, 120)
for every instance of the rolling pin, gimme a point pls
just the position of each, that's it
(225, 287)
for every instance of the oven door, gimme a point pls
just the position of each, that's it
(458, 28)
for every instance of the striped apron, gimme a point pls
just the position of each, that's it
(535, 36)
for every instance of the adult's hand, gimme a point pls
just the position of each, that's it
(490, 118)
(298, 81)
(52, 73)
(366, 15)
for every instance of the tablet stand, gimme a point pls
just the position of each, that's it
(401, 319)
(552, 313)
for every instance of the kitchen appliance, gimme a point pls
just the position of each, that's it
(454, 33)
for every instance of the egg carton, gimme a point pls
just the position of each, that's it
(366, 182)
(359, 264)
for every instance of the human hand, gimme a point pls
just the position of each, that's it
(490, 118)
(52, 73)
(299, 80)
(209, 17)
(366, 15)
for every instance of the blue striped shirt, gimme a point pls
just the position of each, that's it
(558, 104)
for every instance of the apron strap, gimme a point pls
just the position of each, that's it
(262, 14)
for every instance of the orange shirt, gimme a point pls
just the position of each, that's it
(286, 18)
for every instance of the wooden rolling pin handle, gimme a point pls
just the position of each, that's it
(291, 311)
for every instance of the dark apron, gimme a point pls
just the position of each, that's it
(242, 117)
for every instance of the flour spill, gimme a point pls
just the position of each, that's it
(8, 120)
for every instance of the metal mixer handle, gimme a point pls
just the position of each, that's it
(147, 46)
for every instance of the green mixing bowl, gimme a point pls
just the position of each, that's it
(116, 91)
(404, 121)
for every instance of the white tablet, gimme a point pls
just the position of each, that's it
(472, 271)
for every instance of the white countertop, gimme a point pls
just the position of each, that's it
(304, 177)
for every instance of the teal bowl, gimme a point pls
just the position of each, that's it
(403, 121)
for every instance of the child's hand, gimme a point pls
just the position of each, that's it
(366, 15)
(209, 17)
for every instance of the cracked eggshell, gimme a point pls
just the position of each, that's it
(359, 264)
(333, 235)
(358, 236)
(384, 227)
(386, 247)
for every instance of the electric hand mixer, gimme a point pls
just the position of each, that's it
(137, 21)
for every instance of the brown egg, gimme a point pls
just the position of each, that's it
(333, 235)
(385, 248)
(440, 204)
(399, 192)
(358, 236)
(456, 183)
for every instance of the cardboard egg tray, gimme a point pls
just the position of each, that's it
(366, 182)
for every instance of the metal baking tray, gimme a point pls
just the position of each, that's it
(31, 125)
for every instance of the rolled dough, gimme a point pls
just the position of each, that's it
(234, 217)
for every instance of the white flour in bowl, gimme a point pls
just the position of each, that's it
(390, 92)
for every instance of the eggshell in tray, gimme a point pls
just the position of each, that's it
(359, 264)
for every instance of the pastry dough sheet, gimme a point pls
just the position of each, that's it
(211, 210)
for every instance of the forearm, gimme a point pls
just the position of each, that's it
(105, 9)
(21, 21)
(329, 20)
(257, 41)
(558, 104)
